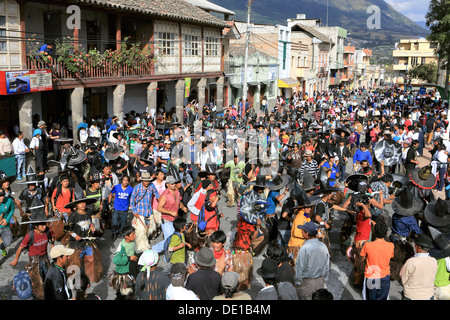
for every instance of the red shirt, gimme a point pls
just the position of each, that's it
(39, 246)
(363, 227)
(172, 203)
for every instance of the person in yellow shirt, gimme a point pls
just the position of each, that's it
(302, 217)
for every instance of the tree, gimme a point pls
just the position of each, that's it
(438, 21)
(426, 72)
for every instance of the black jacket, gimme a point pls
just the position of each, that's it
(55, 286)
(344, 153)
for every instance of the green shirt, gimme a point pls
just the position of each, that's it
(180, 254)
(235, 170)
(442, 275)
(6, 210)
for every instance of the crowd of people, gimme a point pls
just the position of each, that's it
(155, 181)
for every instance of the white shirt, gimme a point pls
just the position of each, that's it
(34, 142)
(180, 293)
(19, 146)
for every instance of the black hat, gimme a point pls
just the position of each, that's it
(424, 241)
(442, 244)
(30, 177)
(405, 204)
(279, 181)
(437, 213)
(268, 269)
(63, 136)
(340, 130)
(39, 216)
(79, 196)
(324, 185)
(205, 257)
(423, 177)
(308, 182)
(389, 151)
(76, 156)
(4, 177)
(261, 181)
(94, 176)
(112, 152)
(353, 181)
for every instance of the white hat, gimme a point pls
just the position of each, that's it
(60, 250)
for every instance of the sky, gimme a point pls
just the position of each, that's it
(413, 9)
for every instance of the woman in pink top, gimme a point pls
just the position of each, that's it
(160, 186)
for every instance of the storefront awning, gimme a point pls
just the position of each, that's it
(288, 83)
(253, 83)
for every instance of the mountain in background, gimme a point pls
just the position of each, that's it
(348, 14)
(423, 24)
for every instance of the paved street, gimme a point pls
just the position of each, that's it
(339, 282)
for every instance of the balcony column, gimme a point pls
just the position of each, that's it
(201, 86)
(118, 101)
(257, 98)
(152, 97)
(25, 105)
(219, 99)
(179, 100)
(76, 104)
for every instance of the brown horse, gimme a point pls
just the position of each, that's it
(36, 280)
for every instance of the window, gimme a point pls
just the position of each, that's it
(166, 42)
(414, 61)
(2, 21)
(191, 45)
(2, 42)
(211, 47)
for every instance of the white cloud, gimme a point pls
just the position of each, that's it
(413, 9)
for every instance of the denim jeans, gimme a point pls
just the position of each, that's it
(21, 162)
(167, 229)
(441, 183)
(118, 220)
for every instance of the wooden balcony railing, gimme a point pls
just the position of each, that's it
(91, 70)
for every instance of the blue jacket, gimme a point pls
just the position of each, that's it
(360, 156)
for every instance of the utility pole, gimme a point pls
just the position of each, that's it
(245, 87)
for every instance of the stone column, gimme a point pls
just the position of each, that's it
(152, 97)
(179, 99)
(118, 101)
(76, 103)
(25, 104)
(256, 98)
(201, 86)
(219, 97)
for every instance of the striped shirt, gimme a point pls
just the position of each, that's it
(311, 167)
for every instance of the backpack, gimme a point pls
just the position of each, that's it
(168, 254)
(31, 235)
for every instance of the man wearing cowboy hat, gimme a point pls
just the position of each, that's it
(309, 164)
(141, 205)
(205, 282)
(419, 272)
(274, 290)
(81, 224)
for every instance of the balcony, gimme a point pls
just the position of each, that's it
(399, 67)
(301, 72)
(321, 72)
(90, 69)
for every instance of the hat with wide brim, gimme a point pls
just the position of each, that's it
(4, 177)
(405, 204)
(73, 204)
(38, 216)
(441, 241)
(437, 213)
(311, 201)
(340, 130)
(112, 152)
(76, 157)
(269, 269)
(279, 182)
(63, 136)
(30, 177)
(205, 257)
(308, 182)
(261, 182)
(353, 181)
(423, 178)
